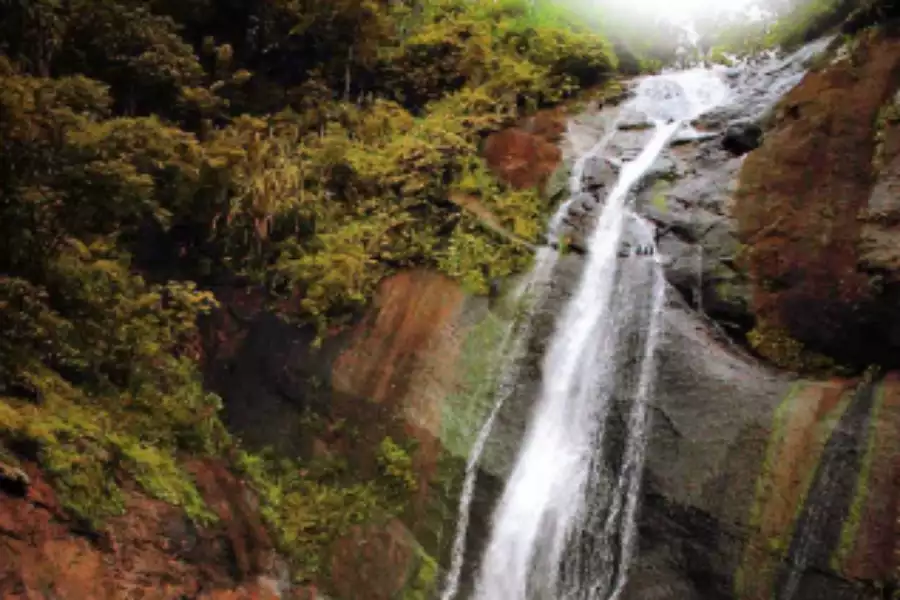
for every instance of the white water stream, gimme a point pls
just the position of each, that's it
(565, 527)
(552, 533)
(532, 292)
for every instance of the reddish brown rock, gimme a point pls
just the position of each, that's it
(152, 552)
(800, 434)
(800, 197)
(873, 552)
(379, 560)
(402, 359)
(245, 536)
(387, 375)
(526, 156)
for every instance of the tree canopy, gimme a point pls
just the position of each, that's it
(152, 149)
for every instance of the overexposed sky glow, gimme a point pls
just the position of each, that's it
(682, 9)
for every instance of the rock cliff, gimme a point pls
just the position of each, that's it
(817, 218)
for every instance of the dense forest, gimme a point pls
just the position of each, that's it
(152, 149)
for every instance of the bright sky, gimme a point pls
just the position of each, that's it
(681, 9)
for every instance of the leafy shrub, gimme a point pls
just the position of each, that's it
(809, 20)
(312, 147)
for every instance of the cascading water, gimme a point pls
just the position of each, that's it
(553, 531)
(532, 291)
(565, 525)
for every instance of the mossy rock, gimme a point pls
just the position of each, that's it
(776, 345)
(557, 187)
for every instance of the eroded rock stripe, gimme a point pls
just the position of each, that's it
(803, 424)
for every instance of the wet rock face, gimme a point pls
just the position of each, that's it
(733, 451)
(821, 274)
(583, 208)
(599, 175)
(880, 235)
(711, 417)
(759, 486)
(688, 195)
(693, 213)
(396, 372)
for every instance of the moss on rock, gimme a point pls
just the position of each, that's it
(776, 345)
(797, 208)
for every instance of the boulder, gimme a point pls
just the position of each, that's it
(879, 244)
(697, 237)
(527, 155)
(820, 276)
(752, 477)
(741, 138)
(598, 175)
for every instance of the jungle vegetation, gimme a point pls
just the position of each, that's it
(150, 150)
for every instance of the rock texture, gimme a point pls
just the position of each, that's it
(757, 484)
(741, 138)
(818, 273)
(693, 213)
(399, 372)
(527, 155)
(152, 552)
(879, 248)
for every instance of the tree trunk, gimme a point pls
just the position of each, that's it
(347, 74)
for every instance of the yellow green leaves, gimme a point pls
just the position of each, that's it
(260, 171)
(396, 463)
(804, 21)
(160, 476)
(308, 147)
(93, 375)
(521, 60)
(311, 505)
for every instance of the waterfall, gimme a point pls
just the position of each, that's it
(512, 349)
(559, 489)
(565, 526)
(533, 292)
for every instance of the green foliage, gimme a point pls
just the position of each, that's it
(396, 464)
(801, 21)
(94, 377)
(423, 580)
(809, 20)
(311, 147)
(324, 198)
(794, 23)
(526, 56)
(311, 504)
